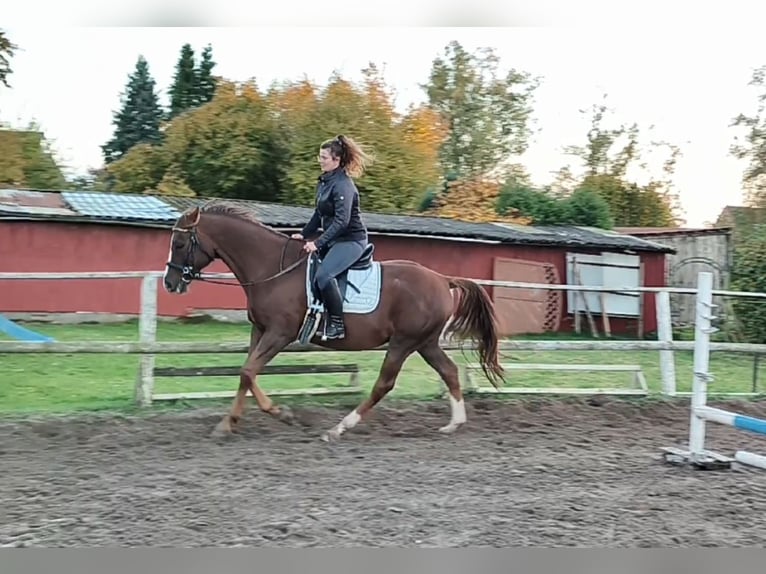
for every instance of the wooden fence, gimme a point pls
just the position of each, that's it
(147, 346)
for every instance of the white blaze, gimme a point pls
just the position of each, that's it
(170, 254)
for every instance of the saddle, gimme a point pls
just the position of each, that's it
(364, 261)
(363, 276)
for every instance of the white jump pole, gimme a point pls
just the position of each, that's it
(702, 330)
(700, 413)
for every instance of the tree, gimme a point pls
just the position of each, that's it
(41, 171)
(7, 51)
(748, 270)
(314, 116)
(631, 205)
(26, 160)
(538, 207)
(228, 147)
(488, 115)
(474, 200)
(295, 104)
(405, 148)
(192, 85)
(585, 207)
(206, 82)
(611, 158)
(183, 91)
(11, 159)
(753, 148)
(140, 170)
(139, 119)
(174, 183)
(250, 145)
(601, 155)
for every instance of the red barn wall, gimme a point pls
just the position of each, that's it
(66, 247)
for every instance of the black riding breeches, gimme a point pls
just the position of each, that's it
(338, 258)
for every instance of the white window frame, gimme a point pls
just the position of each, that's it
(613, 270)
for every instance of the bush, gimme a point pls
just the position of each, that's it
(586, 207)
(541, 208)
(748, 274)
(583, 207)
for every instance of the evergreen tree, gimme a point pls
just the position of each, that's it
(183, 91)
(7, 51)
(139, 119)
(206, 82)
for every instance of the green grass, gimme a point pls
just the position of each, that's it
(65, 383)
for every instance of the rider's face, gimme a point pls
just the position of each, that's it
(326, 161)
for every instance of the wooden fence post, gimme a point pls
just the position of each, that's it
(665, 335)
(147, 329)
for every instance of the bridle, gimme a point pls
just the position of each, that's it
(189, 273)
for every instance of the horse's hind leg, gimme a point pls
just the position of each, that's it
(447, 369)
(389, 370)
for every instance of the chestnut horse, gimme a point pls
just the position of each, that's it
(415, 309)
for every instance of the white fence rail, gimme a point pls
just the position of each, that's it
(148, 347)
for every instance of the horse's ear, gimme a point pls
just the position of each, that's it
(194, 216)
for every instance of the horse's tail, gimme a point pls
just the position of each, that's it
(475, 318)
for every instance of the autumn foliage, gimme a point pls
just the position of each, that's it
(27, 161)
(455, 155)
(473, 200)
(250, 144)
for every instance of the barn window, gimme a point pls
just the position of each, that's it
(614, 270)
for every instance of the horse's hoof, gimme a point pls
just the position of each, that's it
(221, 431)
(449, 429)
(331, 435)
(286, 415)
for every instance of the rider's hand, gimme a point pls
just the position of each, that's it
(309, 246)
(296, 236)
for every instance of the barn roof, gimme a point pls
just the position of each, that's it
(162, 211)
(664, 231)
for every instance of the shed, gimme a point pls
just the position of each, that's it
(113, 232)
(696, 249)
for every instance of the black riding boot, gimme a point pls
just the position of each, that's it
(334, 327)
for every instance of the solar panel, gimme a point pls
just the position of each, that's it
(120, 206)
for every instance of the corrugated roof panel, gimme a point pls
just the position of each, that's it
(183, 203)
(519, 228)
(598, 230)
(120, 206)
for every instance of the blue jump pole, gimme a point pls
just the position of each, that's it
(20, 333)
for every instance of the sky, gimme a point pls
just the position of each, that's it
(688, 83)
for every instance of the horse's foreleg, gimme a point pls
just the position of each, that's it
(263, 348)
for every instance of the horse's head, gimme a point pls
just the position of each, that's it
(186, 257)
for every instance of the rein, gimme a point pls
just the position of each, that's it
(189, 273)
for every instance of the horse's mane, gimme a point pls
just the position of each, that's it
(241, 211)
(225, 207)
